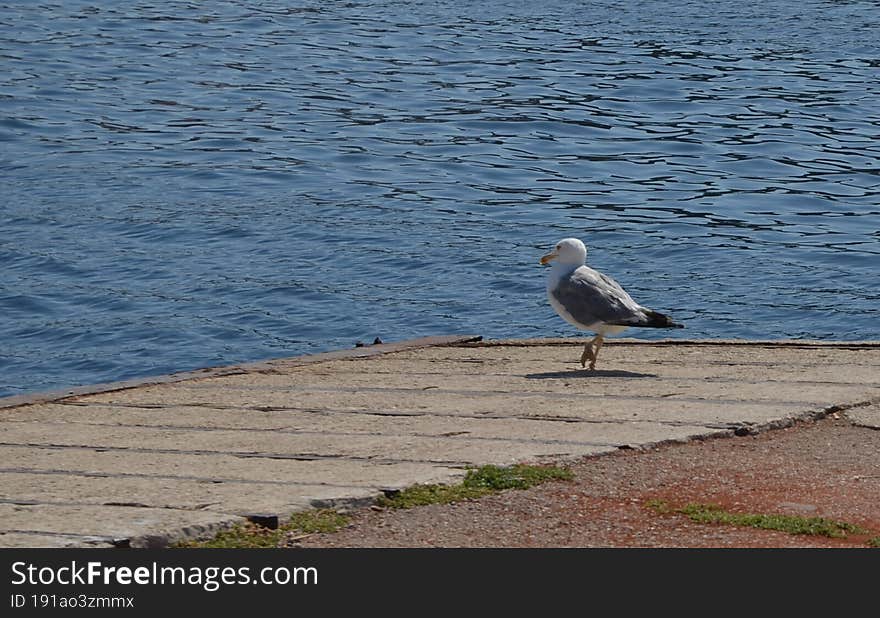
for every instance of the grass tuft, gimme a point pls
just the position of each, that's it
(248, 535)
(245, 535)
(520, 476)
(792, 524)
(318, 520)
(477, 482)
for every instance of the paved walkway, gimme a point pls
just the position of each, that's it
(149, 462)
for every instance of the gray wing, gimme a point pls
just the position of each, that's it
(590, 297)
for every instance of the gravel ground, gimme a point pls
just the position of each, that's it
(827, 468)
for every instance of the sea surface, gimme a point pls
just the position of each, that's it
(191, 184)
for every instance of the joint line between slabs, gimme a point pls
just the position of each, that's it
(210, 480)
(462, 435)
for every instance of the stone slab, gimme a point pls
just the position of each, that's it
(116, 525)
(865, 416)
(146, 462)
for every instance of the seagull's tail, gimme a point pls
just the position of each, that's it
(656, 319)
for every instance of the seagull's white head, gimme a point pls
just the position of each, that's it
(568, 251)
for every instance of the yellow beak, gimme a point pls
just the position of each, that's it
(547, 258)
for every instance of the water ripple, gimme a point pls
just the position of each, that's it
(197, 184)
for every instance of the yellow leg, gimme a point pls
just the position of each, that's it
(588, 354)
(591, 351)
(598, 340)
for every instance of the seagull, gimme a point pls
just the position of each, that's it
(592, 301)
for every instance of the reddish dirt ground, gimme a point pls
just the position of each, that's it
(827, 468)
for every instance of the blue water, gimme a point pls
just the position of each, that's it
(194, 184)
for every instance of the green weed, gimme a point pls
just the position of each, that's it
(249, 535)
(477, 482)
(792, 524)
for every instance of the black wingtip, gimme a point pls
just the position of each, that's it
(659, 320)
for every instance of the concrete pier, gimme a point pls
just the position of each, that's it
(149, 462)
